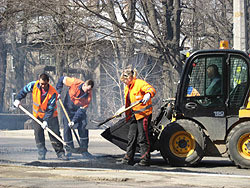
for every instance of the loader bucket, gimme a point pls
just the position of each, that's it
(118, 134)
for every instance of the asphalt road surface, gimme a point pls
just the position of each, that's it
(19, 167)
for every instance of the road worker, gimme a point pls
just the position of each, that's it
(76, 101)
(44, 109)
(140, 117)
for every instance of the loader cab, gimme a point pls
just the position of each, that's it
(213, 87)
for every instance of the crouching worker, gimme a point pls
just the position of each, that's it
(76, 102)
(140, 117)
(44, 109)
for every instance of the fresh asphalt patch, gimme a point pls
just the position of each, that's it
(101, 162)
(108, 162)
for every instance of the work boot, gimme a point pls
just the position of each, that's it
(87, 155)
(68, 149)
(41, 156)
(143, 162)
(42, 153)
(125, 161)
(68, 154)
(61, 156)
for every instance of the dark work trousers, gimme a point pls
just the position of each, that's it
(82, 131)
(39, 136)
(138, 132)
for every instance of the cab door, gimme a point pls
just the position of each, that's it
(238, 85)
(204, 97)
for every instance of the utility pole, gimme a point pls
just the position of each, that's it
(239, 25)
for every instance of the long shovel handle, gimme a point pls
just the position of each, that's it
(129, 107)
(67, 116)
(40, 123)
(64, 110)
(118, 114)
(105, 121)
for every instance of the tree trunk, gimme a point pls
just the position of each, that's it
(3, 66)
(20, 56)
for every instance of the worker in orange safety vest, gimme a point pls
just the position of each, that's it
(76, 102)
(44, 109)
(140, 117)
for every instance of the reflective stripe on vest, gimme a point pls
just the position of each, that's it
(143, 109)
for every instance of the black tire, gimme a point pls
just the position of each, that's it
(238, 145)
(182, 143)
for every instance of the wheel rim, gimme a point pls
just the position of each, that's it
(182, 144)
(243, 146)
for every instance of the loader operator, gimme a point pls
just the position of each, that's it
(76, 102)
(44, 109)
(213, 74)
(140, 117)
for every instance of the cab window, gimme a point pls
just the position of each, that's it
(205, 77)
(238, 81)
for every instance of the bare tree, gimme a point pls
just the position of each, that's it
(205, 23)
(8, 10)
(149, 27)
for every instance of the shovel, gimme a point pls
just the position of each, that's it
(67, 116)
(73, 150)
(119, 112)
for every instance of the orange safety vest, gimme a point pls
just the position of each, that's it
(38, 107)
(135, 92)
(74, 91)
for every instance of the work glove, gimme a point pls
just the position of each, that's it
(71, 124)
(16, 103)
(58, 96)
(146, 97)
(44, 124)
